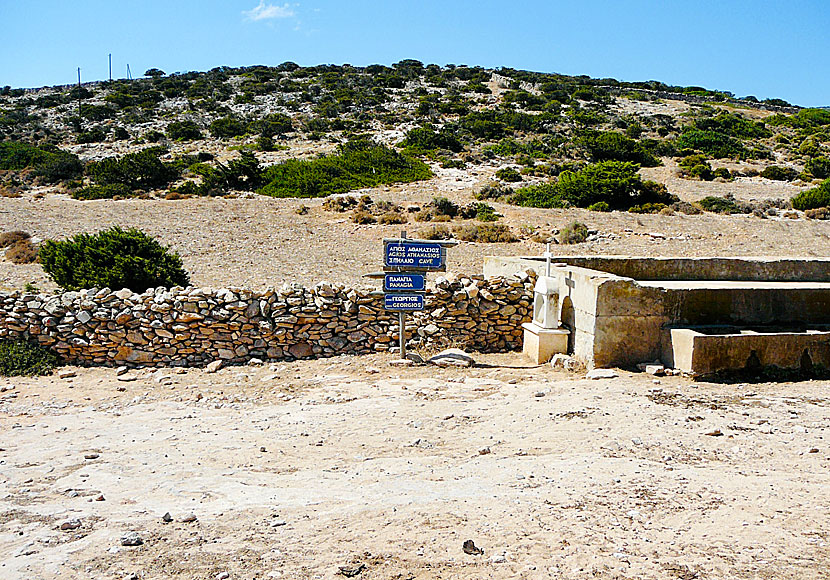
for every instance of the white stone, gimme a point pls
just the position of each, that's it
(452, 357)
(596, 374)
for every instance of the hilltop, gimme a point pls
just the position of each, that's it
(296, 173)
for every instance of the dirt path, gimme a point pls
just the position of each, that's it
(294, 470)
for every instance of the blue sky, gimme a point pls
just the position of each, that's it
(761, 47)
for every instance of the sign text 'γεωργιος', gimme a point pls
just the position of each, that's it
(404, 302)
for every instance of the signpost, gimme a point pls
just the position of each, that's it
(405, 264)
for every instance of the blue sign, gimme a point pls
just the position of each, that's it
(404, 302)
(404, 283)
(419, 255)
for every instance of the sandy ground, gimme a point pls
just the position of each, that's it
(294, 470)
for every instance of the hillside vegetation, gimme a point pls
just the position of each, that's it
(563, 141)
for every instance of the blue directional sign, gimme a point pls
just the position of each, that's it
(404, 302)
(415, 255)
(404, 283)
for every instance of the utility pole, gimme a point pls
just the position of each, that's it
(110, 56)
(79, 91)
(129, 74)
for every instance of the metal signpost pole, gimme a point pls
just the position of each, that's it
(405, 265)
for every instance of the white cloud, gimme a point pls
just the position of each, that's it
(265, 11)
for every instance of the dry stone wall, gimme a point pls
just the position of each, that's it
(195, 326)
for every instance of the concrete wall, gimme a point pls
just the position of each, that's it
(193, 326)
(620, 321)
(704, 354)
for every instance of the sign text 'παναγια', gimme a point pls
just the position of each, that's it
(413, 255)
(404, 283)
(403, 302)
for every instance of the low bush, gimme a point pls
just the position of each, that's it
(613, 182)
(339, 203)
(186, 130)
(435, 232)
(11, 238)
(113, 258)
(778, 173)
(495, 191)
(713, 144)
(821, 213)
(818, 167)
(357, 164)
(227, 127)
(22, 252)
(600, 206)
(717, 204)
(573, 233)
(139, 170)
(813, 198)
(23, 358)
(723, 173)
(393, 217)
(703, 172)
(509, 175)
(613, 146)
(425, 139)
(648, 208)
(47, 161)
(485, 233)
(444, 206)
(109, 191)
(363, 217)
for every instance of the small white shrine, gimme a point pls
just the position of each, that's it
(544, 337)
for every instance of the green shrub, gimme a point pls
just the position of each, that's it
(357, 164)
(272, 125)
(113, 258)
(425, 139)
(508, 174)
(444, 206)
(818, 167)
(600, 206)
(573, 233)
(186, 130)
(734, 126)
(108, 191)
(779, 173)
(139, 170)
(93, 135)
(227, 127)
(614, 182)
(813, 198)
(613, 146)
(648, 208)
(723, 173)
(703, 172)
(22, 358)
(716, 145)
(717, 204)
(48, 162)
